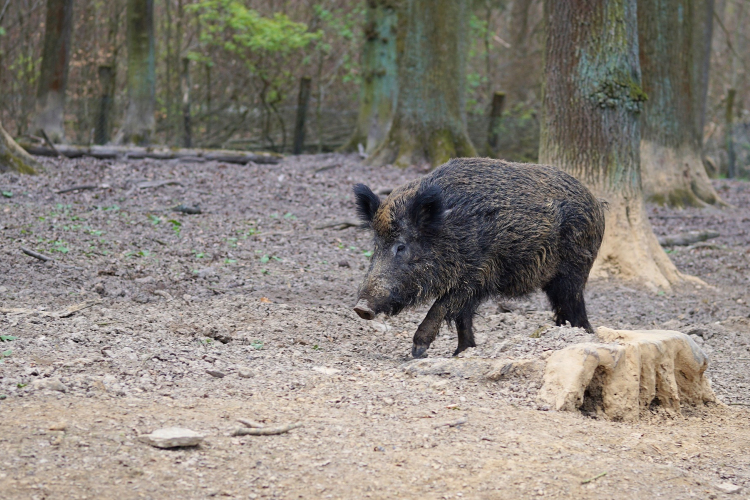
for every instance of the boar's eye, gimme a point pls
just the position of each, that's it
(399, 248)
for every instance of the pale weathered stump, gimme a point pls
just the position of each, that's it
(629, 373)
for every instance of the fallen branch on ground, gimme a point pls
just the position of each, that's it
(327, 167)
(63, 313)
(266, 431)
(343, 223)
(454, 423)
(32, 253)
(156, 184)
(594, 478)
(77, 188)
(135, 152)
(684, 239)
(250, 423)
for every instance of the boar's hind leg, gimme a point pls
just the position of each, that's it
(565, 293)
(465, 328)
(428, 329)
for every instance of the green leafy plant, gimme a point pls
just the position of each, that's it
(154, 219)
(59, 246)
(176, 226)
(266, 46)
(7, 338)
(256, 344)
(8, 194)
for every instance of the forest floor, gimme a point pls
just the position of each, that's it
(244, 311)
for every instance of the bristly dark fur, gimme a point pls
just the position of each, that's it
(477, 228)
(367, 203)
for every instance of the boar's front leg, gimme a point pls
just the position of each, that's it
(428, 329)
(465, 328)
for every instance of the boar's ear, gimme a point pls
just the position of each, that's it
(426, 211)
(367, 203)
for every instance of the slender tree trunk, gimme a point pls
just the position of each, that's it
(53, 75)
(731, 156)
(673, 59)
(106, 102)
(168, 60)
(299, 123)
(141, 78)
(591, 127)
(379, 88)
(519, 73)
(429, 124)
(187, 132)
(493, 126)
(13, 158)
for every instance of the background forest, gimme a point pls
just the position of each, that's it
(240, 64)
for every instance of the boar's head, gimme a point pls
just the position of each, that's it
(404, 266)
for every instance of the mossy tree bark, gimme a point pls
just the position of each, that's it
(674, 39)
(429, 124)
(379, 87)
(13, 158)
(53, 74)
(591, 127)
(141, 77)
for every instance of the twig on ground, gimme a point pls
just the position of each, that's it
(250, 423)
(266, 431)
(454, 423)
(63, 313)
(77, 188)
(594, 478)
(156, 184)
(685, 239)
(343, 223)
(327, 167)
(36, 255)
(739, 404)
(49, 143)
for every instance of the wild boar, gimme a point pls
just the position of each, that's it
(474, 229)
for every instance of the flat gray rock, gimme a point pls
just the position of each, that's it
(51, 384)
(172, 437)
(728, 488)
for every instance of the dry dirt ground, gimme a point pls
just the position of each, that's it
(244, 311)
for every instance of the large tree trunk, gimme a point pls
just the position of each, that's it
(379, 77)
(429, 125)
(674, 60)
(13, 158)
(591, 127)
(53, 74)
(141, 80)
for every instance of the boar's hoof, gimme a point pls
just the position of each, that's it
(364, 310)
(419, 350)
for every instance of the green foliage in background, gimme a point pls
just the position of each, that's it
(264, 45)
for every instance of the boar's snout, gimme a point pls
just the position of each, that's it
(363, 309)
